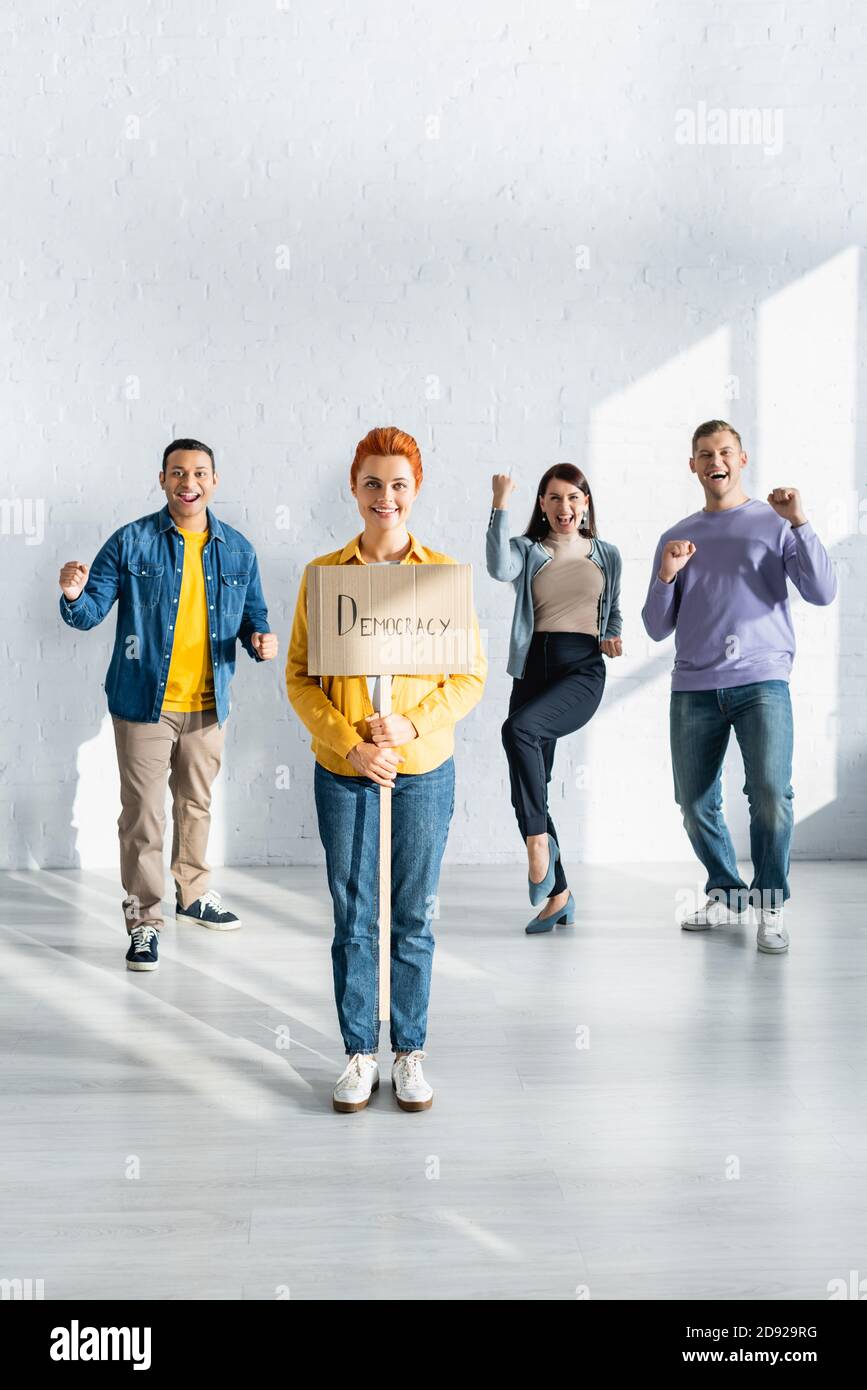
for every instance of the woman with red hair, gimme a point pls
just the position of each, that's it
(357, 751)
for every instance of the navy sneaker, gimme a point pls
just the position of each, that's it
(208, 911)
(142, 953)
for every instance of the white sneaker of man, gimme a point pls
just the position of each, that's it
(407, 1079)
(713, 914)
(356, 1083)
(772, 936)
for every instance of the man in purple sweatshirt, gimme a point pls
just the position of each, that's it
(719, 584)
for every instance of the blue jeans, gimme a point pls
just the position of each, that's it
(348, 810)
(761, 716)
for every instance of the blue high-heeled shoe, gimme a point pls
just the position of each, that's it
(540, 891)
(566, 918)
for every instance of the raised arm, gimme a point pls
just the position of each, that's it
(87, 595)
(503, 556)
(805, 558)
(659, 613)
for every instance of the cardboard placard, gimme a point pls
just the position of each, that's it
(389, 620)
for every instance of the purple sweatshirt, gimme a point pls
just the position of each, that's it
(729, 607)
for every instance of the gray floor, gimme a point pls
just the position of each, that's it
(170, 1135)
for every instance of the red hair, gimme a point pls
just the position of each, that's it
(383, 442)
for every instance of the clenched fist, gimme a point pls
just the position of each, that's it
(786, 502)
(504, 485)
(391, 730)
(379, 764)
(675, 555)
(73, 578)
(264, 645)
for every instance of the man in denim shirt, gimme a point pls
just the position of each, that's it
(187, 588)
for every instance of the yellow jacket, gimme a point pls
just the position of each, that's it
(336, 708)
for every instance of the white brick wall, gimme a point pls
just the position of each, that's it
(275, 227)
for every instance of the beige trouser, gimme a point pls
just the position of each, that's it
(189, 746)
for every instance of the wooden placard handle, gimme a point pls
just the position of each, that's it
(384, 874)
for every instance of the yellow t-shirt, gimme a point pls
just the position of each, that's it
(190, 682)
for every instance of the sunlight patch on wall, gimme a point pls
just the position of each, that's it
(807, 344)
(638, 469)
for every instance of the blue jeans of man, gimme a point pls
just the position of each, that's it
(422, 804)
(701, 722)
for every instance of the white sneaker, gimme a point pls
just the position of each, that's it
(355, 1084)
(713, 914)
(772, 935)
(407, 1079)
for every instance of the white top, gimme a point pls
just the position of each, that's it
(566, 591)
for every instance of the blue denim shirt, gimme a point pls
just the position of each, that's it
(141, 566)
(518, 559)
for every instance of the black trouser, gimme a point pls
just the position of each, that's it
(560, 692)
